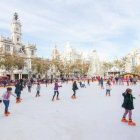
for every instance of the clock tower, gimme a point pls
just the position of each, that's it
(16, 31)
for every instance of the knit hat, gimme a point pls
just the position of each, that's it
(128, 90)
(9, 89)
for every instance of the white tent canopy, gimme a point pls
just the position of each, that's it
(114, 69)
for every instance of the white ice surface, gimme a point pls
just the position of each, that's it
(93, 116)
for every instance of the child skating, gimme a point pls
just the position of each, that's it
(56, 87)
(128, 81)
(38, 89)
(88, 82)
(18, 89)
(74, 88)
(82, 84)
(108, 88)
(29, 85)
(6, 100)
(128, 106)
(102, 83)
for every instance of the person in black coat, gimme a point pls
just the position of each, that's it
(21, 84)
(128, 106)
(4, 83)
(74, 88)
(102, 83)
(18, 89)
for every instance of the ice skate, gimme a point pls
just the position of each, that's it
(6, 113)
(18, 100)
(130, 122)
(72, 97)
(124, 120)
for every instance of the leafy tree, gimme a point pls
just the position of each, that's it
(136, 69)
(11, 62)
(40, 66)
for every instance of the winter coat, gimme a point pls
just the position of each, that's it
(101, 81)
(18, 88)
(56, 86)
(74, 86)
(38, 87)
(128, 101)
(108, 86)
(29, 84)
(6, 96)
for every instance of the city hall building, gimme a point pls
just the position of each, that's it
(14, 45)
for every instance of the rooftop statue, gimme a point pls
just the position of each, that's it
(15, 16)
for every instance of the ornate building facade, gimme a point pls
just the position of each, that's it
(133, 60)
(95, 68)
(70, 55)
(14, 45)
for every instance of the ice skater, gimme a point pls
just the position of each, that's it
(108, 88)
(38, 89)
(74, 88)
(46, 82)
(56, 87)
(29, 85)
(88, 82)
(102, 83)
(127, 81)
(128, 106)
(6, 100)
(80, 83)
(18, 89)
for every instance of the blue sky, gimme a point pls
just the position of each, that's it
(112, 27)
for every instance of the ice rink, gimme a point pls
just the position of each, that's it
(92, 116)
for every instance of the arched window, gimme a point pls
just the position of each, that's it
(7, 48)
(32, 52)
